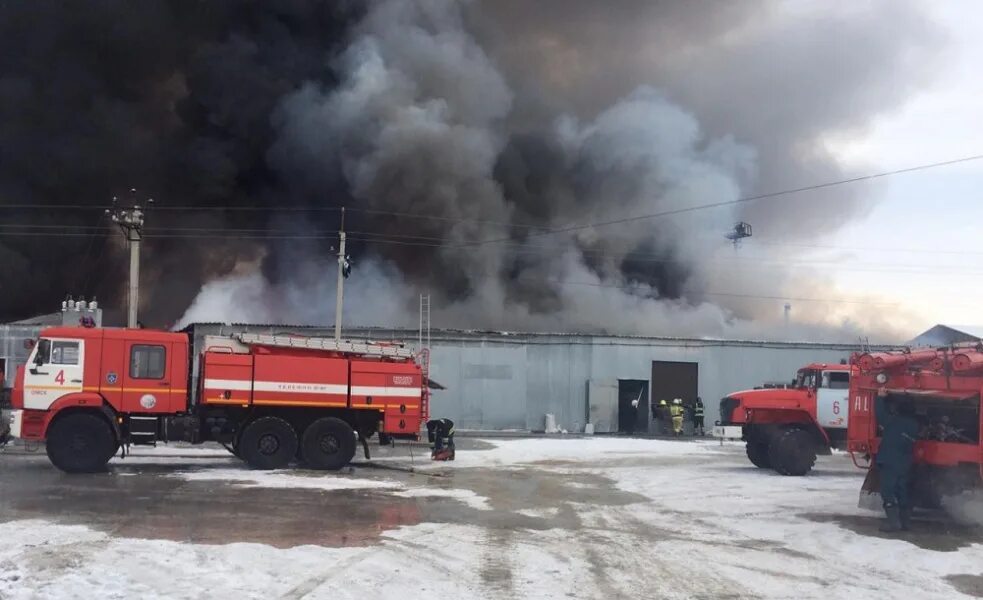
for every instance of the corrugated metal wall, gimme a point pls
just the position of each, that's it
(502, 383)
(13, 348)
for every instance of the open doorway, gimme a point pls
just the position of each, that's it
(671, 380)
(631, 419)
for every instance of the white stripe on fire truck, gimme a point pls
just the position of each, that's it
(367, 390)
(310, 388)
(289, 387)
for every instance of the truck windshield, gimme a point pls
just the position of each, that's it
(43, 355)
(806, 379)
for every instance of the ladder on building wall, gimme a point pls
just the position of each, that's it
(329, 344)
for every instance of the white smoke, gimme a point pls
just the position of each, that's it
(966, 508)
(376, 296)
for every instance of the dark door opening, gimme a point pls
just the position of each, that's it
(671, 380)
(631, 419)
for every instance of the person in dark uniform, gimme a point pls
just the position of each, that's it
(662, 416)
(440, 432)
(894, 459)
(698, 417)
(633, 414)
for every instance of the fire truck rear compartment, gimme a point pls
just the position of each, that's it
(944, 419)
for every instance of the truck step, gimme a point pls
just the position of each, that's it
(143, 430)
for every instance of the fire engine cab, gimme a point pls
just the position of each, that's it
(786, 427)
(88, 392)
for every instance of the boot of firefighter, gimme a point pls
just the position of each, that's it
(904, 515)
(442, 454)
(893, 522)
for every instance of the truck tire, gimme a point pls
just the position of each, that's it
(757, 453)
(328, 444)
(80, 443)
(267, 443)
(792, 452)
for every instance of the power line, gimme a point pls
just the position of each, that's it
(870, 249)
(720, 294)
(302, 209)
(518, 248)
(745, 199)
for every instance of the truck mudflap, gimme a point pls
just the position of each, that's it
(870, 491)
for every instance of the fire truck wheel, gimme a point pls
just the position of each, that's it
(757, 453)
(268, 443)
(793, 452)
(80, 443)
(328, 444)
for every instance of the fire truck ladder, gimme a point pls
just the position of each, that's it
(423, 359)
(330, 344)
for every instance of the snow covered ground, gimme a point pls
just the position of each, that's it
(527, 518)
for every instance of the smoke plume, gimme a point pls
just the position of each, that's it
(458, 134)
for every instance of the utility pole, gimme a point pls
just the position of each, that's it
(130, 221)
(342, 259)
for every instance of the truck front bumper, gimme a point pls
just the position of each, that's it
(728, 432)
(16, 423)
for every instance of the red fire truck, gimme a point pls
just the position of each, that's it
(786, 427)
(88, 392)
(944, 387)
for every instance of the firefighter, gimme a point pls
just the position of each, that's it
(441, 435)
(676, 411)
(662, 415)
(633, 416)
(894, 459)
(698, 416)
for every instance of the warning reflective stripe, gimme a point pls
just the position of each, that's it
(289, 387)
(367, 390)
(62, 388)
(297, 387)
(300, 388)
(228, 384)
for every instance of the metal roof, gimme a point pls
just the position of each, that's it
(54, 318)
(410, 334)
(944, 334)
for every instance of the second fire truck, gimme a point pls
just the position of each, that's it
(270, 399)
(786, 427)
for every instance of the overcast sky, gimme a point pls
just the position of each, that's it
(921, 246)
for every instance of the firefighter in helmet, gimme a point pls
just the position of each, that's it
(662, 415)
(440, 432)
(698, 417)
(894, 458)
(676, 410)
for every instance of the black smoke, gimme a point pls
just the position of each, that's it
(171, 97)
